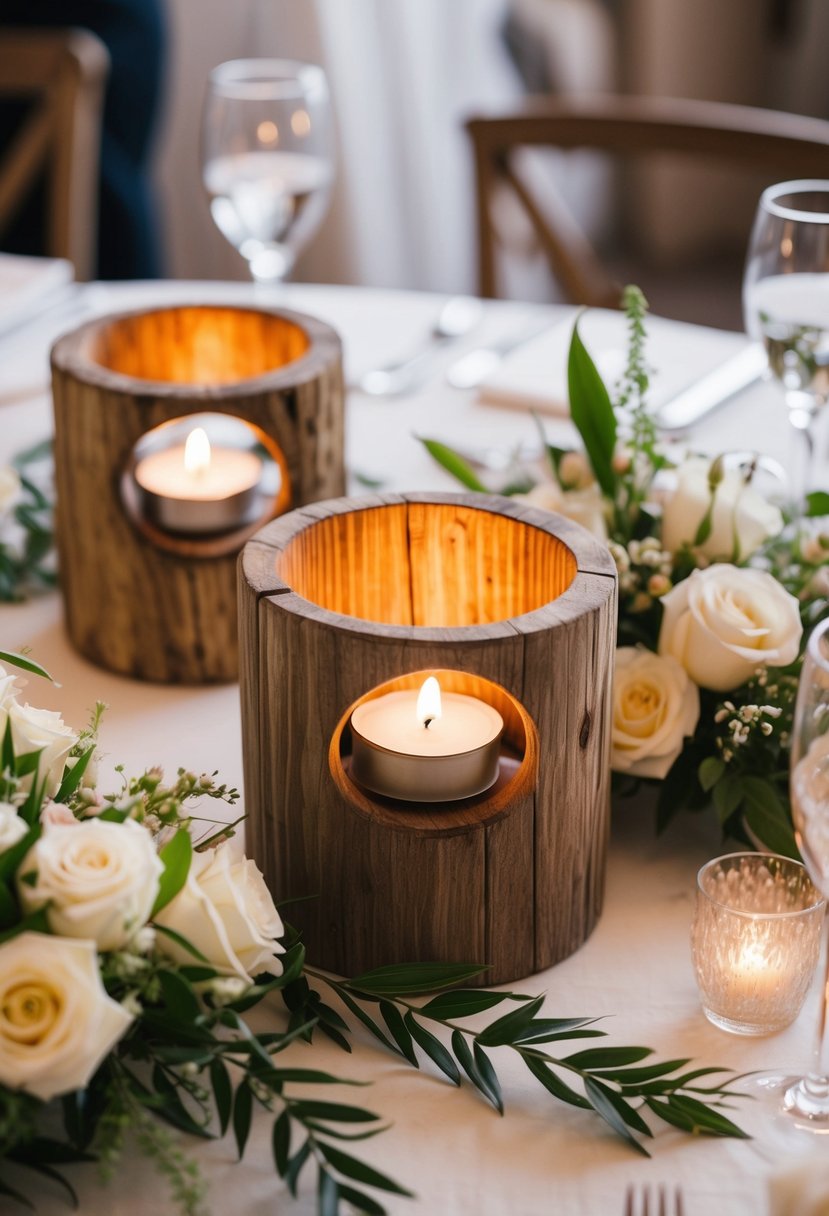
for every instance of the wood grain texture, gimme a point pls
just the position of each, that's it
(513, 877)
(152, 605)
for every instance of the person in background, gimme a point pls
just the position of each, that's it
(134, 34)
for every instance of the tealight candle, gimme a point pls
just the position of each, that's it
(426, 746)
(755, 940)
(193, 488)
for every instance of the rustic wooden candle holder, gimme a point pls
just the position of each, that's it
(349, 599)
(140, 600)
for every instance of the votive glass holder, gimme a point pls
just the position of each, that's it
(755, 940)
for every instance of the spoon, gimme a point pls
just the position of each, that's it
(457, 317)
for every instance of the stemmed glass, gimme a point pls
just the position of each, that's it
(267, 158)
(800, 1105)
(786, 300)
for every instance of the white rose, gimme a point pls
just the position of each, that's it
(655, 706)
(226, 912)
(585, 507)
(56, 1021)
(7, 688)
(99, 879)
(739, 513)
(45, 731)
(12, 827)
(724, 623)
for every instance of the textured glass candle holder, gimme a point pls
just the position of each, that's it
(755, 941)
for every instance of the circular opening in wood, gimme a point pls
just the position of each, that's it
(197, 345)
(430, 564)
(517, 762)
(200, 485)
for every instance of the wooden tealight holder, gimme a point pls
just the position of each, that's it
(141, 600)
(347, 600)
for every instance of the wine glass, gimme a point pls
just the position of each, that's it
(799, 1106)
(267, 158)
(786, 300)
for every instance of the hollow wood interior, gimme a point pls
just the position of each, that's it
(519, 767)
(429, 564)
(197, 344)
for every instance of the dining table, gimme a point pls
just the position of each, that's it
(447, 1145)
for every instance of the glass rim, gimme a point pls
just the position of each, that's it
(818, 657)
(269, 79)
(817, 903)
(769, 197)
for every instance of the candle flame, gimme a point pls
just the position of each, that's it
(428, 701)
(197, 451)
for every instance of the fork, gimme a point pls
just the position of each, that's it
(664, 1201)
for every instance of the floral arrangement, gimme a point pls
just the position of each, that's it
(130, 958)
(717, 589)
(26, 536)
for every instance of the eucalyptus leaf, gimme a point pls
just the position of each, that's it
(393, 1018)
(608, 1107)
(350, 1167)
(295, 1165)
(281, 1142)
(242, 1115)
(409, 979)
(24, 663)
(359, 1201)
(222, 1092)
(337, 1112)
(176, 857)
(433, 1047)
(552, 1082)
(505, 1028)
(465, 1003)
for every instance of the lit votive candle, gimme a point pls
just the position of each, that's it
(193, 488)
(755, 940)
(427, 745)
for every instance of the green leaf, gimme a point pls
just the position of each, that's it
(242, 1114)
(24, 663)
(181, 1002)
(727, 796)
(552, 1082)
(433, 1047)
(222, 1092)
(767, 816)
(694, 1116)
(482, 1080)
(359, 1201)
(454, 464)
(466, 1003)
(36, 922)
(176, 857)
(409, 979)
(505, 1028)
(540, 1031)
(350, 1167)
(337, 1112)
(592, 412)
(326, 1130)
(607, 1057)
(281, 1142)
(295, 1166)
(363, 1017)
(710, 771)
(636, 1076)
(607, 1108)
(394, 1020)
(172, 1109)
(72, 778)
(12, 857)
(16, 1196)
(817, 504)
(311, 1076)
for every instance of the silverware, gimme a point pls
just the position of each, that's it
(664, 1201)
(456, 318)
(473, 368)
(713, 390)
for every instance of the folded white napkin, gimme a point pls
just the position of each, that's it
(801, 1189)
(27, 283)
(534, 377)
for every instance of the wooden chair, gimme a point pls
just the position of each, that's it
(780, 145)
(60, 75)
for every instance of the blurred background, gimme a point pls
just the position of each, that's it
(404, 74)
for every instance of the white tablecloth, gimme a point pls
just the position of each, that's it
(448, 1146)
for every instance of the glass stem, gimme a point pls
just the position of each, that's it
(809, 1098)
(803, 449)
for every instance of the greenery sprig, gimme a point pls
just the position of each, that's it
(27, 534)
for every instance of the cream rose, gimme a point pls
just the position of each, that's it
(45, 731)
(12, 827)
(99, 879)
(56, 1021)
(226, 912)
(584, 506)
(739, 513)
(655, 706)
(724, 623)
